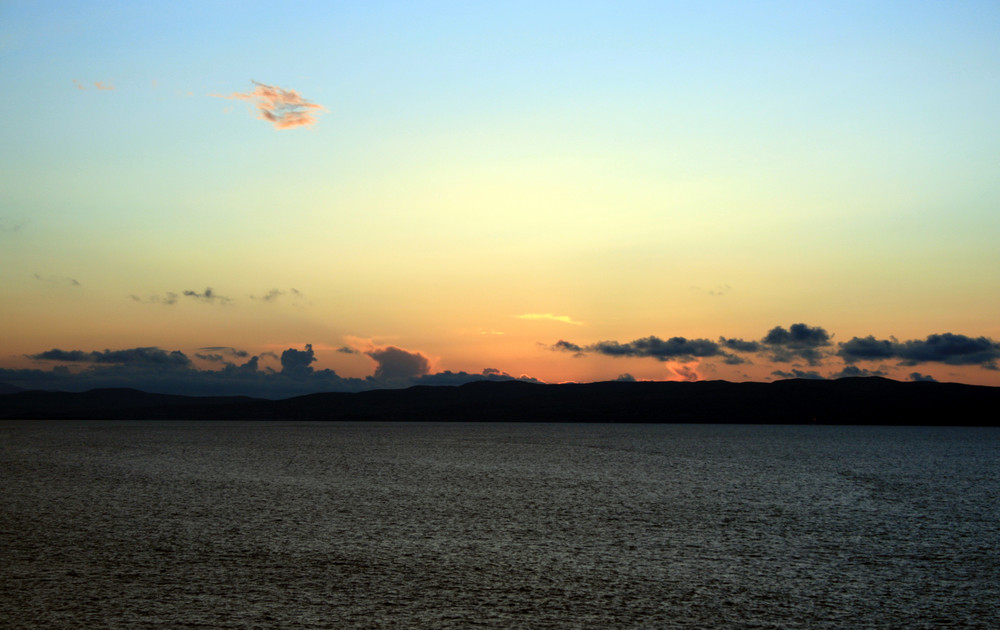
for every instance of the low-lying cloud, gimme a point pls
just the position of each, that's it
(798, 341)
(674, 348)
(397, 363)
(149, 357)
(448, 377)
(661, 349)
(157, 370)
(812, 345)
(298, 363)
(947, 348)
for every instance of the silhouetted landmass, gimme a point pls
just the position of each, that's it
(845, 401)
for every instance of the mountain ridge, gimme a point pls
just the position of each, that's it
(855, 400)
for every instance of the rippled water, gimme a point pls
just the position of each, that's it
(238, 525)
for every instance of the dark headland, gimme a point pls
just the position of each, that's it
(876, 401)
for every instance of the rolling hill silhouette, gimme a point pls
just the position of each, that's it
(869, 400)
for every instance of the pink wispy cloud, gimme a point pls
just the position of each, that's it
(285, 109)
(100, 85)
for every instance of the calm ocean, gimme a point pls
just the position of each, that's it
(312, 525)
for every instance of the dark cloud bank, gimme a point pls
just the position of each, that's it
(809, 344)
(804, 350)
(156, 370)
(798, 342)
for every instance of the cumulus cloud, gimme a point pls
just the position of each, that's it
(917, 376)
(947, 348)
(809, 344)
(661, 349)
(564, 319)
(950, 349)
(395, 363)
(209, 295)
(798, 336)
(867, 349)
(234, 371)
(298, 362)
(285, 109)
(156, 370)
(799, 341)
(740, 345)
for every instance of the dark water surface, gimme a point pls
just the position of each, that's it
(241, 525)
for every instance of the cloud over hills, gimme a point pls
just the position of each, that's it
(798, 351)
(810, 344)
(157, 370)
(947, 348)
(396, 363)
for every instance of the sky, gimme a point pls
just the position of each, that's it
(279, 198)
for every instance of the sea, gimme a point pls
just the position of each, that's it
(155, 524)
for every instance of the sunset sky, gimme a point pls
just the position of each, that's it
(275, 198)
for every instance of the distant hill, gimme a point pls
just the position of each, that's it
(844, 401)
(9, 389)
